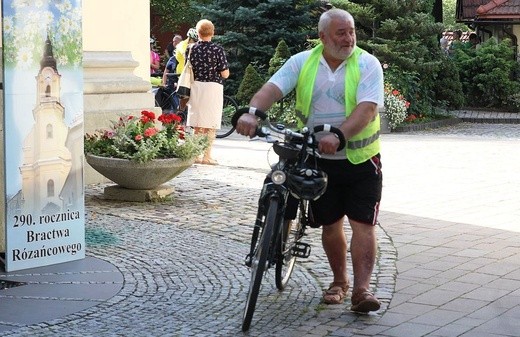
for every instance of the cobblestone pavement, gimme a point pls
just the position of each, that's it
(444, 269)
(182, 263)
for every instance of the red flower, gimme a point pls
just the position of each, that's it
(138, 138)
(150, 132)
(147, 116)
(411, 118)
(169, 118)
(395, 92)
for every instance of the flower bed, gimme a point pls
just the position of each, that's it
(396, 106)
(141, 140)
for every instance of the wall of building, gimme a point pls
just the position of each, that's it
(116, 64)
(119, 25)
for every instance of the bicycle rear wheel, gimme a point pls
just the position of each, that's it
(259, 262)
(229, 108)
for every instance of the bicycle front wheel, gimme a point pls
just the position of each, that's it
(289, 236)
(228, 110)
(259, 262)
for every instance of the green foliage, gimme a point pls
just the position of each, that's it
(281, 55)
(175, 13)
(448, 87)
(402, 34)
(514, 102)
(448, 16)
(251, 83)
(404, 37)
(284, 111)
(488, 74)
(249, 30)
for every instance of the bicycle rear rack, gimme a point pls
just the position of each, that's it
(301, 250)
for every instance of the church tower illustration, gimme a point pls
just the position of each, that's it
(46, 159)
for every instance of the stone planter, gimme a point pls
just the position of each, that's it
(140, 181)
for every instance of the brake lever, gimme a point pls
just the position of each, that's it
(263, 132)
(270, 139)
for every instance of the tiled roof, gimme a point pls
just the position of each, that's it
(488, 9)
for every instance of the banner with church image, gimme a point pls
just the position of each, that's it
(43, 138)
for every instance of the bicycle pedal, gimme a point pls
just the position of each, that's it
(302, 250)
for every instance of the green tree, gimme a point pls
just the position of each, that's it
(249, 30)
(448, 16)
(488, 74)
(448, 87)
(403, 35)
(283, 110)
(175, 13)
(251, 83)
(281, 55)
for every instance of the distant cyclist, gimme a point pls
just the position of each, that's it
(170, 79)
(182, 47)
(171, 66)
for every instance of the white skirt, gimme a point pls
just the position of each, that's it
(205, 105)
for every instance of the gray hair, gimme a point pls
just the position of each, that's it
(331, 14)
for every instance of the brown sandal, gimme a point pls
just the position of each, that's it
(336, 293)
(365, 302)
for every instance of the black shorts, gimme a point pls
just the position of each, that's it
(352, 190)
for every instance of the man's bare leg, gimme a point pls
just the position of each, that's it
(335, 246)
(363, 249)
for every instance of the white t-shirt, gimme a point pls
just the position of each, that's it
(328, 96)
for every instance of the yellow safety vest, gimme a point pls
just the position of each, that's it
(180, 50)
(365, 144)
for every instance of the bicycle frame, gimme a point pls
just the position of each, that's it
(269, 190)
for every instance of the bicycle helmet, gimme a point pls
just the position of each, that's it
(307, 183)
(192, 34)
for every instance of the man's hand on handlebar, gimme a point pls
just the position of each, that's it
(246, 125)
(328, 144)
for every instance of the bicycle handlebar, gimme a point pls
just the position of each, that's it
(281, 128)
(241, 111)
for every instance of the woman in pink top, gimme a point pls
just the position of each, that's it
(155, 59)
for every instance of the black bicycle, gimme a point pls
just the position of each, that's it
(276, 240)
